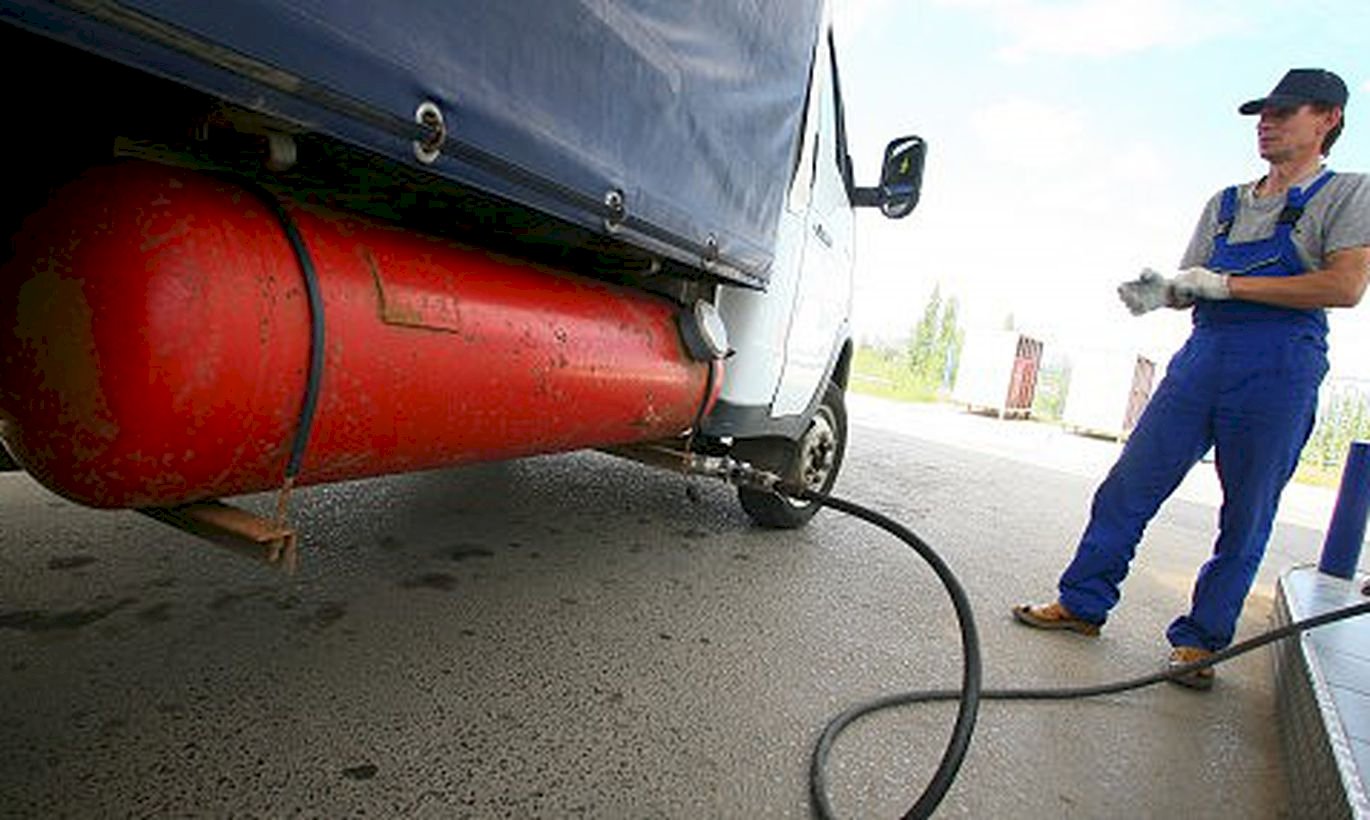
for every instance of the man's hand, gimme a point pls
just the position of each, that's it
(1200, 283)
(1145, 293)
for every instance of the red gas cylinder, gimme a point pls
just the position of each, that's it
(155, 343)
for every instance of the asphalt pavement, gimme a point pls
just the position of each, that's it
(579, 636)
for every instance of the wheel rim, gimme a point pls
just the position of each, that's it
(817, 455)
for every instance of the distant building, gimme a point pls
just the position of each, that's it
(1108, 392)
(997, 372)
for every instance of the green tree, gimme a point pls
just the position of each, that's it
(923, 344)
(1343, 417)
(935, 345)
(1053, 383)
(949, 338)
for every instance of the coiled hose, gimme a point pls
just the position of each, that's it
(970, 694)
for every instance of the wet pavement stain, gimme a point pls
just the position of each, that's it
(363, 772)
(33, 620)
(465, 552)
(157, 613)
(71, 561)
(113, 726)
(224, 600)
(431, 580)
(328, 614)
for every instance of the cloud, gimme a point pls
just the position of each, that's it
(1063, 149)
(1029, 132)
(1098, 28)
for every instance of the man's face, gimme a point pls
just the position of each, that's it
(1292, 133)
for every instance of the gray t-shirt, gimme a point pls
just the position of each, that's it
(1338, 217)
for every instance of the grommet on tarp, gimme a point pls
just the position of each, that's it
(428, 149)
(710, 257)
(616, 209)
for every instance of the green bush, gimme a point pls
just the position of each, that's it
(885, 373)
(1343, 417)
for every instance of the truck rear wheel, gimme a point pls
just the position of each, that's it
(812, 461)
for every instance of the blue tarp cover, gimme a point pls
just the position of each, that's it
(692, 109)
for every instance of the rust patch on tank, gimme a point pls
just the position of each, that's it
(651, 418)
(405, 299)
(54, 327)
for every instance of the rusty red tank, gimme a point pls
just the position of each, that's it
(155, 342)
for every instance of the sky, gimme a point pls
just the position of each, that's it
(1072, 143)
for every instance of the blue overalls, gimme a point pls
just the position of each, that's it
(1246, 383)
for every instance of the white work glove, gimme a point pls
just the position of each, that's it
(1145, 293)
(1199, 283)
(1152, 290)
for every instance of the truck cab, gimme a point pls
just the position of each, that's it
(783, 402)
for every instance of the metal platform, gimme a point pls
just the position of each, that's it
(1323, 684)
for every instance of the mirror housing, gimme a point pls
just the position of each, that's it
(901, 179)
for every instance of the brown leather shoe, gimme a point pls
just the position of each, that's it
(1182, 656)
(1053, 616)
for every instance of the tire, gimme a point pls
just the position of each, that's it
(816, 457)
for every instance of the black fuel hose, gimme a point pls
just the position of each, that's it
(968, 694)
(314, 297)
(971, 693)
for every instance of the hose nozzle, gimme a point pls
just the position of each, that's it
(739, 473)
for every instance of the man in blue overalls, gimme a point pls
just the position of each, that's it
(1265, 261)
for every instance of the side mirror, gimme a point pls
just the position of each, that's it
(901, 179)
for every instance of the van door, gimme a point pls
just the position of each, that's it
(820, 317)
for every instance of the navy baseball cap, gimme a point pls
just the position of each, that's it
(1299, 86)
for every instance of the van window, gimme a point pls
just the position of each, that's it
(843, 158)
(815, 106)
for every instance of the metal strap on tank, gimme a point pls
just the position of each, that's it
(314, 379)
(710, 381)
